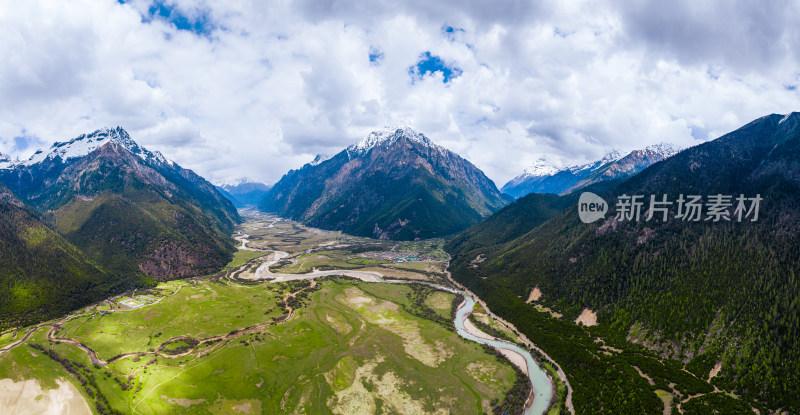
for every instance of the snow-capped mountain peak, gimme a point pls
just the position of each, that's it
(540, 167)
(612, 156)
(86, 143)
(236, 182)
(665, 149)
(319, 159)
(609, 157)
(389, 135)
(543, 177)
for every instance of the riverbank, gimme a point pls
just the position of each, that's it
(543, 388)
(559, 372)
(158, 339)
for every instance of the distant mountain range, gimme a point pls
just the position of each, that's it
(394, 184)
(244, 192)
(544, 177)
(699, 293)
(129, 209)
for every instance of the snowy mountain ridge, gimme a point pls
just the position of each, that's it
(319, 159)
(236, 182)
(540, 167)
(388, 135)
(544, 177)
(86, 143)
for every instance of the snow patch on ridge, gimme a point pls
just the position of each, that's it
(540, 168)
(319, 159)
(665, 149)
(389, 135)
(86, 143)
(609, 157)
(228, 184)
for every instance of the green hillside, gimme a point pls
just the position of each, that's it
(697, 293)
(128, 209)
(41, 274)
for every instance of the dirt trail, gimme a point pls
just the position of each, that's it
(55, 325)
(97, 361)
(25, 337)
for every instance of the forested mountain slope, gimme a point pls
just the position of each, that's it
(700, 293)
(130, 210)
(41, 274)
(394, 184)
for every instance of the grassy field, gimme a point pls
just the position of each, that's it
(10, 337)
(352, 349)
(23, 363)
(306, 262)
(243, 255)
(200, 309)
(349, 347)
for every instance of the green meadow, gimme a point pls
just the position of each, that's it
(198, 309)
(241, 256)
(351, 348)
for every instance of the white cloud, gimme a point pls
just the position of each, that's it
(265, 88)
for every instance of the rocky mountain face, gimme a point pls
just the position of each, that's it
(543, 177)
(394, 184)
(129, 209)
(41, 274)
(702, 293)
(244, 192)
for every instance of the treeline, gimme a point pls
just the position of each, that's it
(417, 296)
(86, 377)
(42, 276)
(699, 293)
(513, 402)
(488, 329)
(601, 383)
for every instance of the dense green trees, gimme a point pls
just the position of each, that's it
(42, 275)
(698, 293)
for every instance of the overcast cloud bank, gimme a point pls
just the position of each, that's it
(256, 88)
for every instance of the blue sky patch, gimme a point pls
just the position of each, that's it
(375, 56)
(429, 64)
(699, 133)
(26, 141)
(450, 32)
(200, 25)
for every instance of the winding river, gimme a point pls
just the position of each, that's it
(542, 386)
